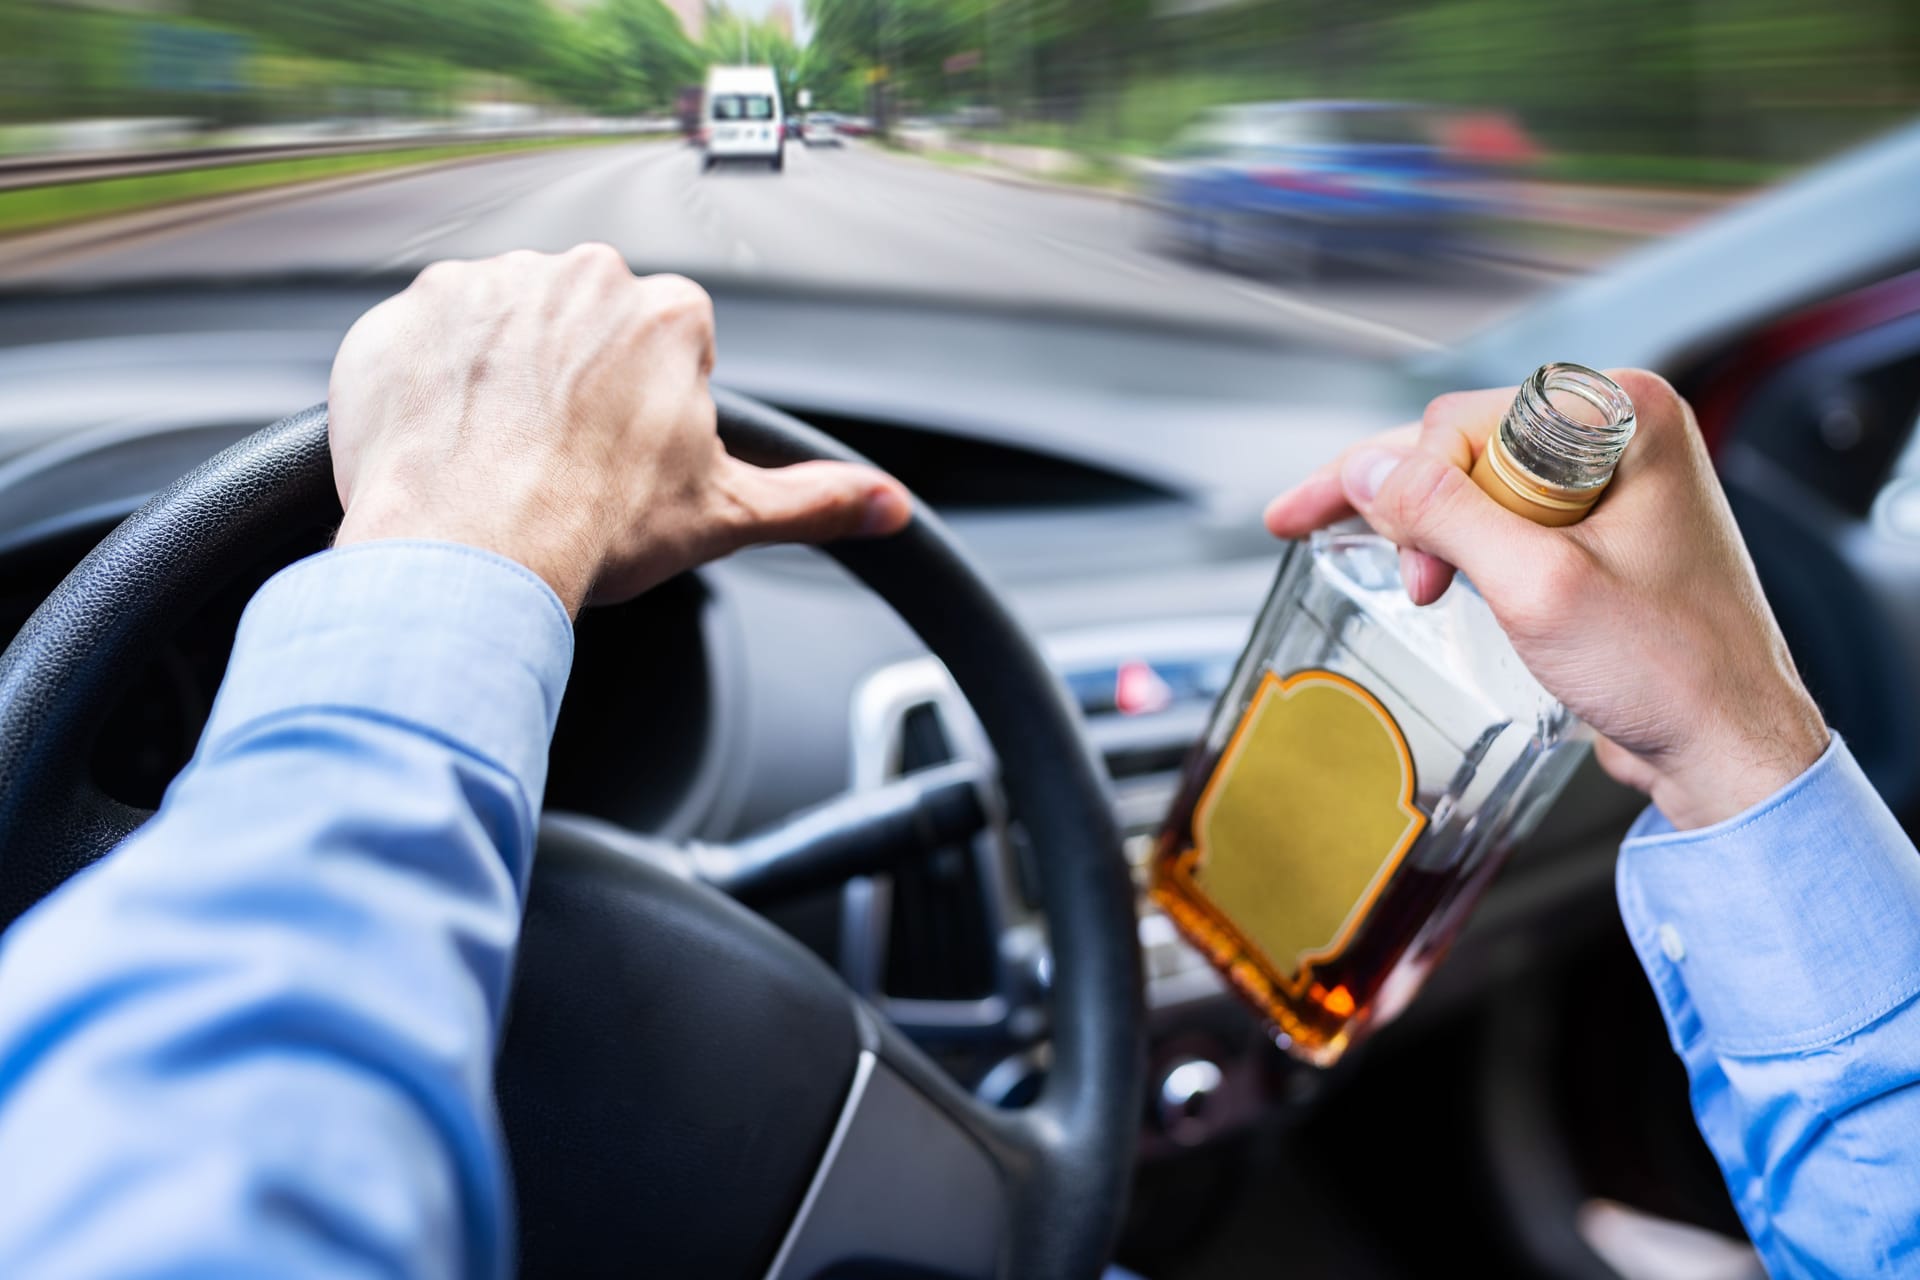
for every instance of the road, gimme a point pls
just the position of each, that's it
(850, 218)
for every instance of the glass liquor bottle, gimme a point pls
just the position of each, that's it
(1371, 762)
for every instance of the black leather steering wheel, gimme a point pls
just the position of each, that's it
(685, 1090)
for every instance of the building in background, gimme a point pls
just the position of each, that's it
(780, 18)
(692, 15)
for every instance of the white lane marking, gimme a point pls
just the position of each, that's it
(532, 182)
(409, 252)
(445, 229)
(697, 201)
(1333, 317)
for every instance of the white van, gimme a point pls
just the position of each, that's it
(742, 119)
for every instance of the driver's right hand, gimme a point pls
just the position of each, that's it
(1646, 619)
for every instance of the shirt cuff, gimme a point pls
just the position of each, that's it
(1784, 928)
(452, 640)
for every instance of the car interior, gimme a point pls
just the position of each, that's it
(839, 960)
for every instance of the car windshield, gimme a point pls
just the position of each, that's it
(1379, 128)
(1394, 174)
(742, 106)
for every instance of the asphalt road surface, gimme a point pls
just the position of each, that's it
(854, 217)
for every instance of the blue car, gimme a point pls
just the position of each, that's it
(1279, 187)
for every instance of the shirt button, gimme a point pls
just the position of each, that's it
(1670, 943)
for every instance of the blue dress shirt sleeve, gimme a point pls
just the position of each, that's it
(258, 1038)
(1784, 948)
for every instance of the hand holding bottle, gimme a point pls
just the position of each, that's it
(1646, 619)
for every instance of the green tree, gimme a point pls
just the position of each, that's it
(734, 39)
(627, 56)
(505, 36)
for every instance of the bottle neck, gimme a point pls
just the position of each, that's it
(1558, 444)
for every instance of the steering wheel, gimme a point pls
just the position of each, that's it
(685, 1090)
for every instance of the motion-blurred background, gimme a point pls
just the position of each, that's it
(1393, 170)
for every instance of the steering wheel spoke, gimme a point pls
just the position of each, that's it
(916, 1179)
(856, 834)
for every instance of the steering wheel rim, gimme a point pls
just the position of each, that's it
(1069, 1153)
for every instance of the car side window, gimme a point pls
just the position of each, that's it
(1286, 129)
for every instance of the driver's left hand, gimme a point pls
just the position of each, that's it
(554, 409)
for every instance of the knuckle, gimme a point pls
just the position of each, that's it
(1655, 402)
(437, 275)
(599, 255)
(1665, 419)
(670, 286)
(1443, 407)
(501, 270)
(678, 300)
(1645, 387)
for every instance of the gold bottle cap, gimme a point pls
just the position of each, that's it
(1520, 491)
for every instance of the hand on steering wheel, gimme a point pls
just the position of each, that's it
(680, 1082)
(554, 409)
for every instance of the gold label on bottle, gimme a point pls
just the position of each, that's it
(1309, 811)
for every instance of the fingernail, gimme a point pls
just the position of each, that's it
(887, 510)
(1366, 471)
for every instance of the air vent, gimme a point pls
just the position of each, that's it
(923, 739)
(1144, 709)
(951, 949)
(939, 946)
(1145, 759)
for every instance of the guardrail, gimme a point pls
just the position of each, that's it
(19, 172)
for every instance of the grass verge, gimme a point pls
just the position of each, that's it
(36, 208)
(1663, 171)
(952, 159)
(1088, 169)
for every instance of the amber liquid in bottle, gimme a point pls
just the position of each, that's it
(1372, 761)
(1317, 1018)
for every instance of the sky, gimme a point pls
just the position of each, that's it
(802, 28)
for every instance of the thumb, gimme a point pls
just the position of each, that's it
(1428, 504)
(811, 502)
